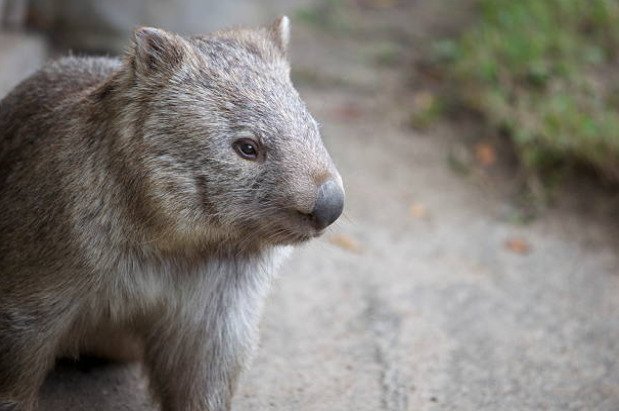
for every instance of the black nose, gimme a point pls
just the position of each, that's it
(329, 204)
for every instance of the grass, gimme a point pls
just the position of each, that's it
(543, 72)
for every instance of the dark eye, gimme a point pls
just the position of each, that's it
(246, 148)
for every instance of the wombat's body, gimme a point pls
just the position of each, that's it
(144, 205)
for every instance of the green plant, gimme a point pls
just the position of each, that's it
(539, 70)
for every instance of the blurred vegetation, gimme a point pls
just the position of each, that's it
(331, 15)
(544, 73)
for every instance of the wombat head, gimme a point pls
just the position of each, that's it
(230, 148)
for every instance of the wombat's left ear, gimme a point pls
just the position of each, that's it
(279, 32)
(156, 51)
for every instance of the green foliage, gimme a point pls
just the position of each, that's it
(427, 109)
(542, 70)
(330, 15)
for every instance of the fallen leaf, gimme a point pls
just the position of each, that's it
(485, 154)
(345, 242)
(418, 210)
(348, 112)
(517, 245)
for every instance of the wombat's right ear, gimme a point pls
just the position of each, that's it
(279, 32)
(157, 51)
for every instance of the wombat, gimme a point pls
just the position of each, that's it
(145, 204)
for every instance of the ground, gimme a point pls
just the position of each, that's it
(426, 295)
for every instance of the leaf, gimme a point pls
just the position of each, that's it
(418, 211)
(347, 112)
(517, 245)
(485, 154)
(345, 242)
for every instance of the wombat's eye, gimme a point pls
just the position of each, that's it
(246, 148)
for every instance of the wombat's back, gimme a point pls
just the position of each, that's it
(26, 112)
(41, 122)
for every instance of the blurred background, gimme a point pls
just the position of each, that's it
(476, 266)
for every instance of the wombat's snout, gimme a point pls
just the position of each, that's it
(329, 204)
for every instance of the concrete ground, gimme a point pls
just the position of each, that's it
(424, 296)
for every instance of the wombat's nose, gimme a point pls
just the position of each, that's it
(329, 204)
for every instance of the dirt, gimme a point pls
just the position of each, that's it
(427, 294)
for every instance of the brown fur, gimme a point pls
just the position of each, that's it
(129, 227)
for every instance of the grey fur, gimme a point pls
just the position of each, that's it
(130, 228)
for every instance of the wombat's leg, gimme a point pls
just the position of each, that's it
(192, 371)
(23, 366)
(28, 344)
(194, 363)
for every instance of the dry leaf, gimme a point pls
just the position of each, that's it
(518, 245)
(485, 154)
(418, 210)
(345, 242)
(347, 112)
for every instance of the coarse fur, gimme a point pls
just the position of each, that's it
(130, 227)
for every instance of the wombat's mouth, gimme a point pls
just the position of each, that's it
(291, 236)
(294, 228)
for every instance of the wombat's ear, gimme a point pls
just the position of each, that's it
(279, 31)
(157, 51)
